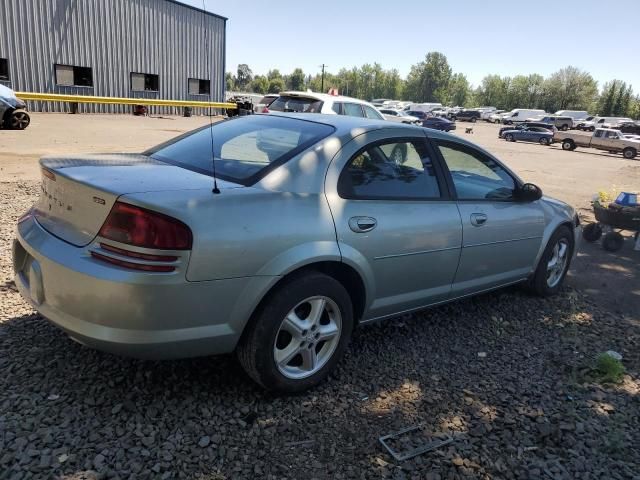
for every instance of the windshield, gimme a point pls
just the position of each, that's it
(245, 148)
(296, 104)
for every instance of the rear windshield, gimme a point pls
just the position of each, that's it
(266, 100)
(296, 104)
(245, 148)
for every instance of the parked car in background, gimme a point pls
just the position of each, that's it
(310, 102)
(322, 223)
(497, 117)
(548, 126)
(264, 102)
(418, 114)
(629, 127)
(493, 116)
(519, 115)
(601, 122)
(399, 116)
(424, 107)
(439, 123)
(379, 102)
(468, 116)
(602, 138)
(541, 135)
(561, 123)
(13, 111)
(576, 115)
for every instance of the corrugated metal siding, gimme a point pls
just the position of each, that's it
(114, 38)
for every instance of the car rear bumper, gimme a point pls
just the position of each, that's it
(137, 314)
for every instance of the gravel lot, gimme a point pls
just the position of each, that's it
(506, 373)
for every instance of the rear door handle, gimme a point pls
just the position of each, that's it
(362, 224)
(478, 219)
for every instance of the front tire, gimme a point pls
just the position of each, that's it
(19, 120)
(544, 141)
(629, 153)
(568, 145)
(509, 137)
(299, 333)
(554, 264)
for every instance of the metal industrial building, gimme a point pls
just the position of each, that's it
(114, 48)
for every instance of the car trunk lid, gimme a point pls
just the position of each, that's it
(77, 192)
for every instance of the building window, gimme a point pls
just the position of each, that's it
(144, 82)
(199, 87)
(69, 75)
(4, 69)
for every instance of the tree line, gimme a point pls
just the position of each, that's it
(433, 80)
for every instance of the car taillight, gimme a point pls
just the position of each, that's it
(144, 228)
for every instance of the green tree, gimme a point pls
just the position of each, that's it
(244, 76)
(296, 80)
(494, 91)
(272, 74)
(276, 85)
(230, 81)
(459, 90)
(569, 88)
(260, 84)
(428, 81)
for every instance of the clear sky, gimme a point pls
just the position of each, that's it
(478, 37)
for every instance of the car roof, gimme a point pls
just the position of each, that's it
(344, 123)
(325, 97)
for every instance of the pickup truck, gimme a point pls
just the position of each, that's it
(602, 138)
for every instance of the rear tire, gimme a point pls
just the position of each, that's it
(509, 137)
(612, 242)
(539, 282)
(568, 145)
(267, 336)
(544, 141)
(629, 153)
(564, 128)
(473, 120)
(592, 232)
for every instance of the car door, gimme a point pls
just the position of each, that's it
(612, 140)
(598, 139)
(501, 235)
(395, 221)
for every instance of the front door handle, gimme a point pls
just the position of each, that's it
(362, 224)
(478, 219)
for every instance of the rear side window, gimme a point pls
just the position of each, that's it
(296, 104)
(599, 134)
(398, 170)
(371, 113)
(245, 148)
(267, 101)
(337, 107)
(352, 109)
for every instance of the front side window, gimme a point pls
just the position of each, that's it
(144, 82)
(72, 76)
(337, 107)
(400, 170)
(4, 69)
(475, 175)
(613, 135)
(352, 110)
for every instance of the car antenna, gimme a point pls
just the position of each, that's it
(215, 190)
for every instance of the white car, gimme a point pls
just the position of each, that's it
(311, 102)
(399, 116)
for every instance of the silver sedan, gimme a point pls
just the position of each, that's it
(311, 224)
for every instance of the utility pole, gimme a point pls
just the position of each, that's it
(322, 81)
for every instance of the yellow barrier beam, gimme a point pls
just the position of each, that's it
(55, 97)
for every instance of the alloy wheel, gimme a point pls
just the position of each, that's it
(557, 264)
(308, 337)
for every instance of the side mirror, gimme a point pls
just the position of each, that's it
(528, 192)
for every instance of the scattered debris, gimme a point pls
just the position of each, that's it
(402, 437)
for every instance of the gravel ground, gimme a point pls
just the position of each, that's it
(503, 373)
